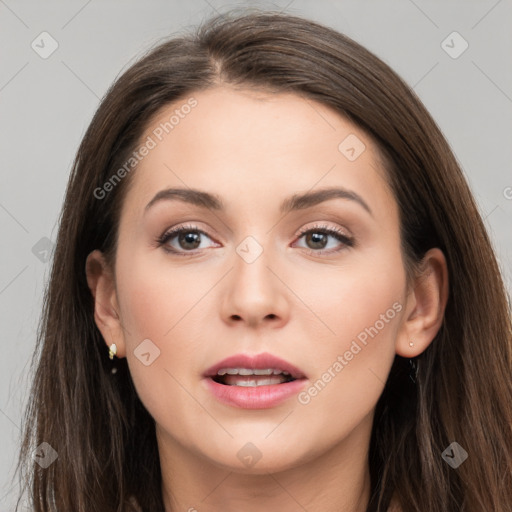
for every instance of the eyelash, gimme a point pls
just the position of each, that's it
(334, 232)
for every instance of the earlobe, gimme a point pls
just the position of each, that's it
(425, 306)
(100, 280)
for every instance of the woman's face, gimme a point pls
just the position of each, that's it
(243, 280)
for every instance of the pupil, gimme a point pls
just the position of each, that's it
(317, 238)
(192, 238)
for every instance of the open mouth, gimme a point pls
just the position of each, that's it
(247, 377)
(248, 381)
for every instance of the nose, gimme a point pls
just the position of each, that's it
(254, 294)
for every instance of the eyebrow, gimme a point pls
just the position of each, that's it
(292, 203)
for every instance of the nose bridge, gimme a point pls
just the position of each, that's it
(253, 257)
(254, 292)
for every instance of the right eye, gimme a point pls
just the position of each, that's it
(186, 239)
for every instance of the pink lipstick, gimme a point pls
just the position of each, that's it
(254, 382)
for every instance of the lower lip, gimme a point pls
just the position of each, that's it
(255, 397)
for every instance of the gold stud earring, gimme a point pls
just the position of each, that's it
(112, 351)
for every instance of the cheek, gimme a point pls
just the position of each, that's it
(358, 307)
(159, 306)
(156, 297)
(162, 303)
(364, 309)
(360, 324)
(347, 300)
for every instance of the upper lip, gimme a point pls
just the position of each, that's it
(255, 362)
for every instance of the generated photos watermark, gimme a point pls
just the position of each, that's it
(151, 142)
(343, 360)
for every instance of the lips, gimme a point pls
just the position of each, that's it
(254, 382)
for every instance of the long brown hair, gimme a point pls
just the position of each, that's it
(105, 438)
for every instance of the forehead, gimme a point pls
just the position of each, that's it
(253, 142)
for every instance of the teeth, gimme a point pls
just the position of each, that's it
(245, 382)
(248, 371)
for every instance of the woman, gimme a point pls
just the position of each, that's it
(271, 289)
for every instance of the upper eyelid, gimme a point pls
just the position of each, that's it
(324, 227)
(192, 227)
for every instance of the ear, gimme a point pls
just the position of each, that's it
(425, 306)
(101, 281)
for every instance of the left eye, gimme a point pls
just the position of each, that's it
(317, 239)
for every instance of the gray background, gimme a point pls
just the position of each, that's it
(46, 105)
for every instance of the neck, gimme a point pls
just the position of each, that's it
(336, 480)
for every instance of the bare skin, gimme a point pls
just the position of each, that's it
(305, 298)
